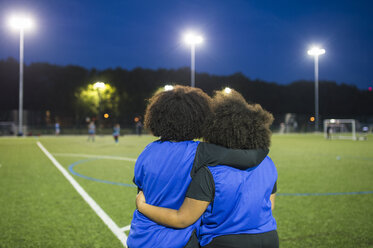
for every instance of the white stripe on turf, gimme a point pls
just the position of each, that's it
(98, 210)
(126, 228)
(94, 156)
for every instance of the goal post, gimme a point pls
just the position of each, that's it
(340, 129)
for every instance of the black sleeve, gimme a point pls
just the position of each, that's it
(212, 155)
(274, 190)
(202, 187)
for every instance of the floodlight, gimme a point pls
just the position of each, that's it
(21, 22)
(191, 38)
(99, 85)
(227, 90)
(316, 51)
(168, 87)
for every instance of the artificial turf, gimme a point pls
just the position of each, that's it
(40, 208)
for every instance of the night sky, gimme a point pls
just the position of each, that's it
(265, 39)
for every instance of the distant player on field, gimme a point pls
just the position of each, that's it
(57, 128)
(116, 132)
(91, 131)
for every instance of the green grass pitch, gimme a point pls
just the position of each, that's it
(40, 208)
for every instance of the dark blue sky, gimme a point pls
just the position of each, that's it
(266, 39)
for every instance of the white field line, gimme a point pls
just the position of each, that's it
(98, 210)
(126, 228)
(94, 156)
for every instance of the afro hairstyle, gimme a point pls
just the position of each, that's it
(178, 114)
(236, 124)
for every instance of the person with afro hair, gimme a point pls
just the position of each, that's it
(165, 168)
(235, 205)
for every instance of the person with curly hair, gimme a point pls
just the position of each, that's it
(165, 168)
(235, 205)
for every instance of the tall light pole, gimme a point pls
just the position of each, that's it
(192, 40)
(316, 52)
(20, 23)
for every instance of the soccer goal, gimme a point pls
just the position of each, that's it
(340, 129)
(7, 128)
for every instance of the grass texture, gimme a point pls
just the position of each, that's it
(40, 208)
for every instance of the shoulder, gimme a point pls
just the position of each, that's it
(269, 165)
(269, 162)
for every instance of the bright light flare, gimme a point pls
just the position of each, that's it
(316, 51)
(99, 85)
(192, 39)
(227, 90)
(21, 22)
(168, 87)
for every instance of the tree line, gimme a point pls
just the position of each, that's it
(54, 88)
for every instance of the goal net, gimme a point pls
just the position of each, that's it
(7, 128)
(340, 129)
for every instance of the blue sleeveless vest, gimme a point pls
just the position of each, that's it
(162, 171)
(241, 204)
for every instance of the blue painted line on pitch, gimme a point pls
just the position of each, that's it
(71, 169)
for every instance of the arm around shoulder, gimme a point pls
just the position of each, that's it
(188, 213)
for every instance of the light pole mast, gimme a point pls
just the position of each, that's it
(20, 23)
(192, 40)
(192, 65)
(20, 108)
(316, 93)
(315, 51)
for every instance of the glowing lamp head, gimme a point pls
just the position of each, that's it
(18, 22)
(106, 115)
(99, 85)
(316, 51)
(168, 87)
(370, 88)
(227, 90)
(193, 39)
(312, 119)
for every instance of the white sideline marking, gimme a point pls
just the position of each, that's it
(99, 211)
(126, 228)
(94, 156)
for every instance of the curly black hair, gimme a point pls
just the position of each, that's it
(236, 124)
(178, 114)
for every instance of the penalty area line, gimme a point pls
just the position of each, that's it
(95, 207)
